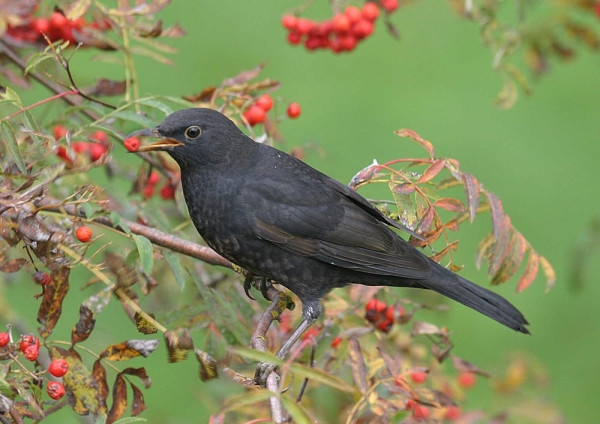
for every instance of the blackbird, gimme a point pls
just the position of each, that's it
(281, 219)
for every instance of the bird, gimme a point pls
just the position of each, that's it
(281, 219)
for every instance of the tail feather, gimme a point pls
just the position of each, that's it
(476, 297)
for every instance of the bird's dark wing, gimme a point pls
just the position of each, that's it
(308, 215)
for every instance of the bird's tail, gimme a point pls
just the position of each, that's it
(476, 297)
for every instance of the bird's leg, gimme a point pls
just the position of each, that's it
(247, 284)
(260, 283)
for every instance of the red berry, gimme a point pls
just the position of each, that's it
(324, 28)
(32, 352)
(294, 37)
(353, 13)
(348, 42)
(58, 367)
(96, 151)
(27, 341)
(62, 153)
(154, 178)
(311, 333)
(101, 137)
(83, 234)
(389, 313)
(312, 43)
(467, 379)
(4, 339)
(421, 412)
(80, 147)
(597, 9)
(58, 21)
(385, 326)
(289, 22)
(371, 305)
(370, 11)
(362, 28)
(55, 390)
(148, 191)
(167, 192)
(293, 110)
(418, 377)
(265, 102)
(132, 144)
(452, 413)
(341, 23)
(336, 342)
(59, 131)
(255, 115)
(390, 5)
(304, 26)
(40, 25)
(42, 278)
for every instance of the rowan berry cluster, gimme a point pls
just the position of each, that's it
(381, 315)
(167, 192)
(257, 112)
(29, 345)
(93, 150)
(56, 27)
(341, 33)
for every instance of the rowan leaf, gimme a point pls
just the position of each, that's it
(549, 272)
(77, 9)
(51, 305)
(432, 170)
(208, 365)
(84, 326)
(359, 369)
(129, 349)
(497, 214)
(531, 270)
(513, 261)
(426, 220)
(295, 410)
(465, 366)
(146, 252)
(12, 146)
(450, 204)
(176, 268)
(502, 246)
(416, 137)
(179, 344)
(99, 376)
(484, 249)
(137, 404)
(404, 188)
(472, 194)
(119, 405)
(12, 265)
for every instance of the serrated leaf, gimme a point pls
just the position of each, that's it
(497, 214)
(12, 265)
(416, 137)
(176, 268)
(51, 305)
(426, 220)
(99, 376)
(35, 59)
(84, 326)
(12, 146)
(472, 194)
(531, 270)
(431, 171)
(32, 125)
(502, 246)
(146, 252)
(135, 118)
(512, 262)
(129, 349)
(179, 344)
(484, 249)
(450, 204)
(13, 97)
(156, 104)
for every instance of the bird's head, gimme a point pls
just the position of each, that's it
(192, 134)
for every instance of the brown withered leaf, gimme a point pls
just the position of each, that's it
(431, 171)
(178, 344)
(137, 404)
(416, 137)
(143, 325)
(243, 77)
(450, 204)
(125, 274)
(502, 246)
(393, 365)
(497, 214)
(404, 188)
(549, 272)
(139, 373)
(129, 349)
(12, 265)
(106, 87)
(421, 327)
(465, 366)
(173, 32)
(208, 365)
(359, 369)
(204, 96)
(99, 376)
(426, 220)
(153, 32)
(472, 194)
(484, 249)
(83, 392)
(511, 264)
(119, 405)
(84, 326)
(530, 272)
(440, 255)
(51, 306)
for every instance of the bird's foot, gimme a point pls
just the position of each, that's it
(263, 370)
(247, 284)
(259, 283)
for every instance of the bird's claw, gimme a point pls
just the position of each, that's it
(262, 372)
(247, 284)
(263, 285)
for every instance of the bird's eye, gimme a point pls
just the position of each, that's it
(193, 132)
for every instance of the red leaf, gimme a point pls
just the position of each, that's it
(512, 263)
(425, 221)
(483, 249)
(531, 270)
(416, 137)
(497, 214)
(472, 193)
(439, 256)
(364, 175)
(450, 204)
(502, 246)
(431, 171)
(549, 272)
(405, 188)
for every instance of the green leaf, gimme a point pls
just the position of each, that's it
(135, 118)
(176, 268)
(297, 413)
(36, 59)
(128, 420)
(245, 399)
(12, 146)
(167, 110)
(116, 220)
(12, 96)
(146, 252)
(30, 124)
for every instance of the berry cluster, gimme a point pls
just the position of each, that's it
(30, 347)
(56, 27)
(342, 33)
(257, 112)
(94, 150)
(167, 192)
(380, 315)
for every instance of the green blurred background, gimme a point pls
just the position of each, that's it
(540, 157)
